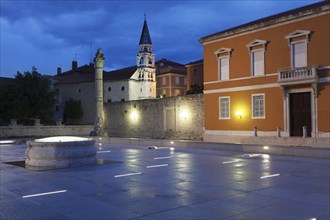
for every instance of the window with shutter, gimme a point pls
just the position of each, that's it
(224, 68)
(258, 63)
(299, 53)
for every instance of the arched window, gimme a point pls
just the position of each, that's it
(122, 88)
(142, 60)
(150, 61)
(109, 89)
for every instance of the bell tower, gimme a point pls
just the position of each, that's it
(145, 61)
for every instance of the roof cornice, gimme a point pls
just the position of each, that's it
(313, 9)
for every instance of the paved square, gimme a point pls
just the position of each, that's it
(168, 184)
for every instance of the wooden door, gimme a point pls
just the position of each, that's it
(300, 113)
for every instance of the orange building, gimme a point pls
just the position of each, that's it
(171, 78)
(271, 75)
(195, 74)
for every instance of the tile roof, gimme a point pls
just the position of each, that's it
(270, 20)
(86, 74)
(121, 74)
(164, 66)
(74, 78)
(195, 62)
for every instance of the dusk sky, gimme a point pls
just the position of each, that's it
(50, 34)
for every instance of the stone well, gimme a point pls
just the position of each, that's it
(59, 152)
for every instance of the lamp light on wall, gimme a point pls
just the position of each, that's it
(239, 113)
(133, 116)
(184, 114)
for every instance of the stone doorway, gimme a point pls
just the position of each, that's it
(300, 113)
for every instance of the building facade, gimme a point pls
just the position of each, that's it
(270, 77)
(171, 78)
(195, 74)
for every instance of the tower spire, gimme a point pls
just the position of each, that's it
(145, 36)
(145, 62)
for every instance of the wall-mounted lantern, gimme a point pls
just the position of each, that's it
(239, 114)
(184, 114)
(133, 116)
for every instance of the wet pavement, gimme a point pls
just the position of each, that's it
(141, 183)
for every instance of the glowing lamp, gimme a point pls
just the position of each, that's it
(184, 115)
(133, 115)
(239, 113)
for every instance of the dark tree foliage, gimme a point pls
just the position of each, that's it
(30, 96)
(195, 89)
(73, 110)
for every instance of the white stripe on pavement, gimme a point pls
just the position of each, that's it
(160, 165)
(128, 174)
(43, 194)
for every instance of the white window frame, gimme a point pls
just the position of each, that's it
(252, 106)
(292, 43)
(220, 74)
(250, 45)
(220, 109)
(291, 36)
(252, 61)
(226, 54)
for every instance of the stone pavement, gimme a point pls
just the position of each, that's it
(161, 183)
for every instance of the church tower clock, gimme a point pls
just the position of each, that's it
(145, 61)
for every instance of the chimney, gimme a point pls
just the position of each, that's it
(59, 71)
(74, 65)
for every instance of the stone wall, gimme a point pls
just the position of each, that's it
(45, 131)
(180, 117)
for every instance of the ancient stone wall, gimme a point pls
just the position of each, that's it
(45, 131)
(180, 117)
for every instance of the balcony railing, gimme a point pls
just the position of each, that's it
(297, 74)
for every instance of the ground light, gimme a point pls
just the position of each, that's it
(7, 142)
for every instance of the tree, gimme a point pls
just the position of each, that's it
(73, 110)
(30, 96)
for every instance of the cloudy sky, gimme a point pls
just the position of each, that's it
(51, 33)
